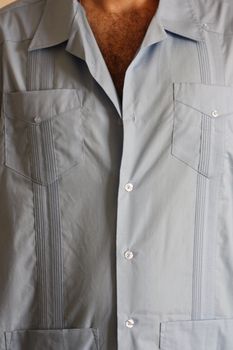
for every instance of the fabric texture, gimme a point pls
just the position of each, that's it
(116, 216)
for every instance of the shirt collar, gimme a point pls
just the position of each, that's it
(55, 23)
(176, 16)
(179, 17)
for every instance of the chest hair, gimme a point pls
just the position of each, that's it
(119, 37)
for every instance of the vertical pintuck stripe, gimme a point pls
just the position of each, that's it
(47, 58)
(40, 77)
(40, 229)
(32, 66)
(204, 62)
(205, 145)
(200, 293)
(198, 247)
(48, 232)
(55, 261)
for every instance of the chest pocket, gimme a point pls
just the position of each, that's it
(201, 114)
(43, 133)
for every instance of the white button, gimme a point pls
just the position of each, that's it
(129, 323)
(37, 119)
(128, 254)
(129, 187)
(205, 26)
(214, 113)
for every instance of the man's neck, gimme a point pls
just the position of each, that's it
(118, 6)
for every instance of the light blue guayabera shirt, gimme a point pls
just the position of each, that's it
(116, 218)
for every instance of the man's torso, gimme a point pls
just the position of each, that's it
(66, 182)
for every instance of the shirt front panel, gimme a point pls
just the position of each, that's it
(144, 176)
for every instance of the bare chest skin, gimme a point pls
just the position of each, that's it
(119, 36)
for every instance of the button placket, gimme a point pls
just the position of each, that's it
(125, 209)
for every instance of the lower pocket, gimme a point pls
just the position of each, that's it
(53, 339)
(207, 334)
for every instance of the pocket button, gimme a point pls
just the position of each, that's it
(37, 119)
(214, 113)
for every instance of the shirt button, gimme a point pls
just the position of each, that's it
(37, 119)
(214, 113)
(205, 26)
(129, 323)
(128, 254)
(129, 187)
